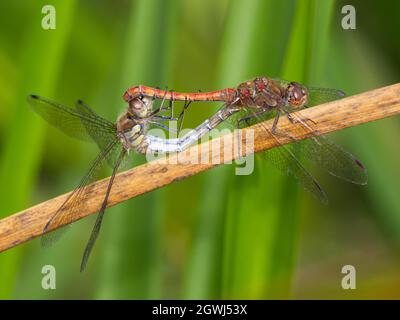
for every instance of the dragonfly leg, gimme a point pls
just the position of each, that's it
(163, 126)
(154, 94)
(170, 107)
(244, 119)
(302, 121)
(161, 107)
(308, 119)
(290, 117)
(275, 124)
(161, 118)
(248, 117)
(181, 116)
(171, 99)
(293, 120)
(163, 100)
(278, 114)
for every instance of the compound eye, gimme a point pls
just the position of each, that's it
(296, 93)
(136, 103)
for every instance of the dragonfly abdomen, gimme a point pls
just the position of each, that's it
(153, 144)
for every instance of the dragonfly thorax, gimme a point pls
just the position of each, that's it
(259, 93)
(132, 124)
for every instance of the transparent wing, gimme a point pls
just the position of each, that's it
(99, 219)
(318, 96)
(334, 159)
(281, 157)
(330, 156)
(285, 161)
(102, 137)
(80, 123)
(70, 208)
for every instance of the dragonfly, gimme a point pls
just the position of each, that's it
(262, 98)
(114, 140)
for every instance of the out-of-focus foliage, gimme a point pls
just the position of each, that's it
(215, 235)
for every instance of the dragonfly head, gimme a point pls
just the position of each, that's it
(140, 107)
(296, 95)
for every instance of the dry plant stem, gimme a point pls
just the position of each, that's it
(333, 116)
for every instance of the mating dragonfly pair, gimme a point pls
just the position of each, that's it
(250, 103)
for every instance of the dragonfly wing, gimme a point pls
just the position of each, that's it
(92, 122)
(103, 137)
(66, 214)
(73, 122)
(318, 96)
(334, 159)
(282, 157)
(328, 155)
(99, 219)
(285, 161)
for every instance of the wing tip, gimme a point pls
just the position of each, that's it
(321, 195)
(359, 164)
(32, 97)
(364, 179)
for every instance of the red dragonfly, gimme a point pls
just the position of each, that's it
(257, 100)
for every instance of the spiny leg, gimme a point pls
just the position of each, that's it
(181, 116)
(164, 118)
(170, 104)
(248, 117)
(278, 114)
(163, 126)
(161, 107)
(275, 125)
(171, 107)
(163, 99)
(293, 120)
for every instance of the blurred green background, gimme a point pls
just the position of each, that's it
(215, 235)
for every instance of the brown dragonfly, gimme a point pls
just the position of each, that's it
(259, 99)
